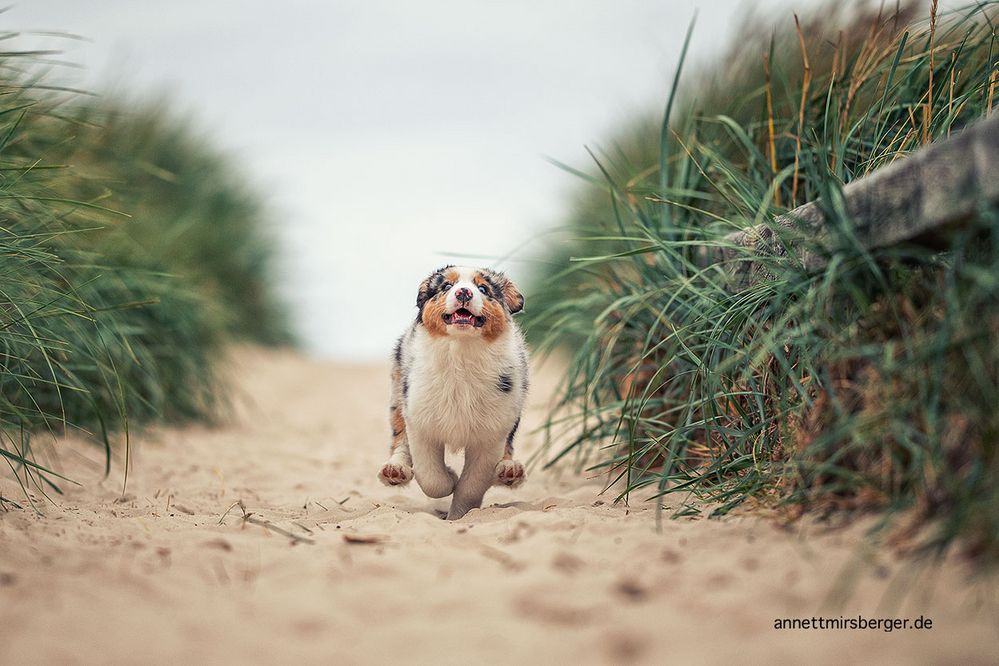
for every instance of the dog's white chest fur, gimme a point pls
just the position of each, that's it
(464, 393)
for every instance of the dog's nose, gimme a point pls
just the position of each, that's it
(463, 295)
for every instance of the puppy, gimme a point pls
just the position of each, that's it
(459, 381)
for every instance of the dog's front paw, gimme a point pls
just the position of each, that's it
(509, 473)
(395, 474)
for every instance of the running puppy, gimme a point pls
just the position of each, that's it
(459, 380)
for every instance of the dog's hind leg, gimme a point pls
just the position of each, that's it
(509, 472)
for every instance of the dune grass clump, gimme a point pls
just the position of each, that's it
(129, 254)
(192, 212)
(869, 382)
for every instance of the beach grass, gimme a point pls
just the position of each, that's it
(868, 383)
(131, 252)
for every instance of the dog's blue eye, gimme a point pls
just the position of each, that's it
(446, 286)
(483, 289)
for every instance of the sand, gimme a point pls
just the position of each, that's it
(551, 573)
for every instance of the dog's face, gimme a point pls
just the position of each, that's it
(458, 300)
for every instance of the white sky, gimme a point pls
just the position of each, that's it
(388, 135)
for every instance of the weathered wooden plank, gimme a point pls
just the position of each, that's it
(922, 198)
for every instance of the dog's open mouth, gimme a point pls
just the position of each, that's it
(463, 317)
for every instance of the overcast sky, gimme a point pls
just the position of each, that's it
(389, 136)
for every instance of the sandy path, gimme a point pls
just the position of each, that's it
(545, 574)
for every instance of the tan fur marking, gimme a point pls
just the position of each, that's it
(495, 320)
(433, 316)
(398, 423)
(452, 276)
(398, 428)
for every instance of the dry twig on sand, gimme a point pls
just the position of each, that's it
(248, 517)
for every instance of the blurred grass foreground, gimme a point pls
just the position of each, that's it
(130, 250)
(866, 379)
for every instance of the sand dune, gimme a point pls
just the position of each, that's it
(550, 573)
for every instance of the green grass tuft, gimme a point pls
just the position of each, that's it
(130, 253)
(869, 383)
(192, 213)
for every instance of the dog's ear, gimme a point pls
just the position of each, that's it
(513, 298)
(428, 288)
(423, 295)
(511, 295)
